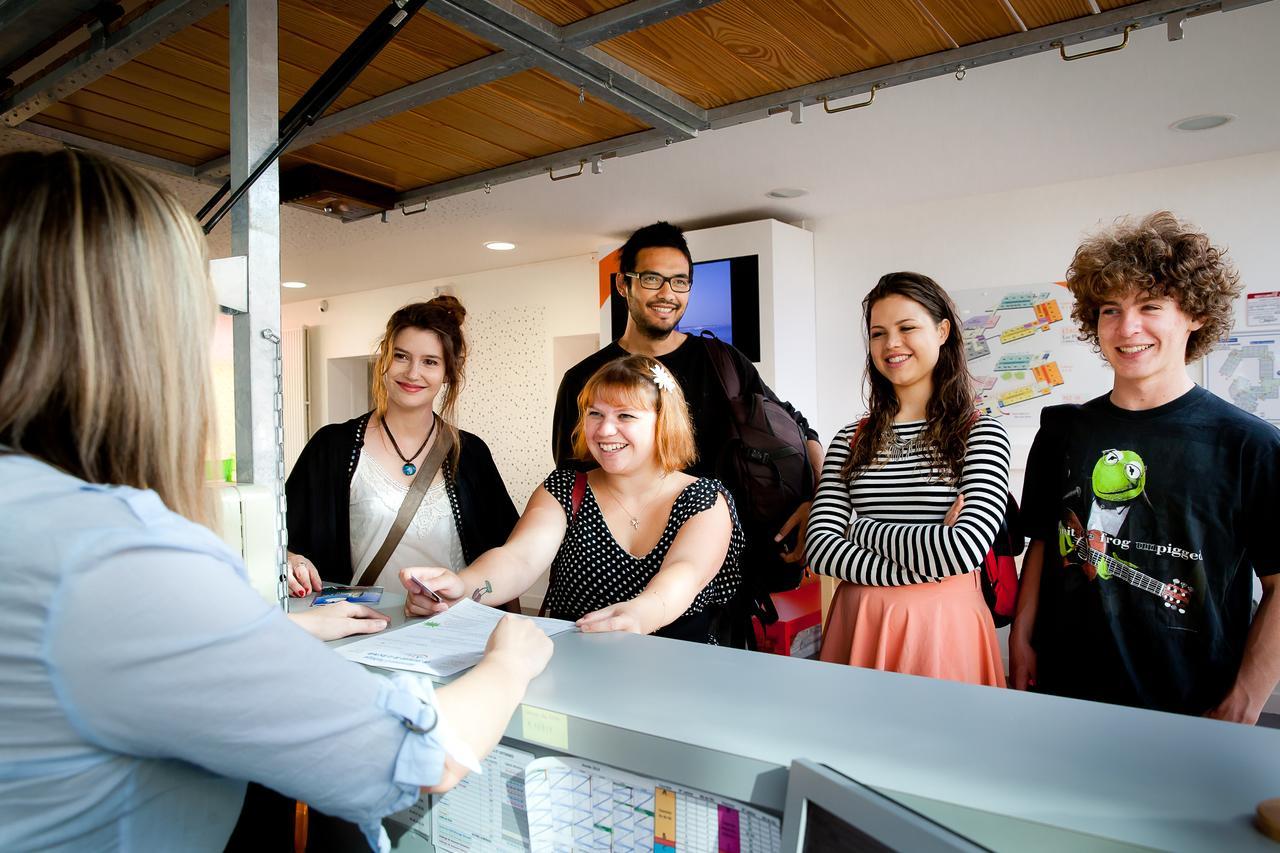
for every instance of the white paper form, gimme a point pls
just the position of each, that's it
(441, 645)
(577, 805)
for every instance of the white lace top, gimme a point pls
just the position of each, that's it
(432, 537)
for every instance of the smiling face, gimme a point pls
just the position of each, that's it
(417, 369)
(655, 313)
(1144, 337)
(1119, 476)
(905, 341)
(620, 434)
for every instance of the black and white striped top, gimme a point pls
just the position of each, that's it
(898, 536)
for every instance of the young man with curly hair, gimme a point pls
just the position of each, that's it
(1152, 507)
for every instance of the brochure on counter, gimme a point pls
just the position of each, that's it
(442, 645)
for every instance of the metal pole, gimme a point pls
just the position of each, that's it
(255, 233)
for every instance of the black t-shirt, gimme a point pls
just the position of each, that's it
(1154, 523)
(690, 364)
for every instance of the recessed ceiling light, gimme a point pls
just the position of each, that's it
(500, 245)
(1204, 122)
(293, 285)
(786, 192)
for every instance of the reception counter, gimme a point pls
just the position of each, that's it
(1009, 770)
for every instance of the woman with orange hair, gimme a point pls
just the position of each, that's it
(635, 545)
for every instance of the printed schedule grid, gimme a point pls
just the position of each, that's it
(575, 805)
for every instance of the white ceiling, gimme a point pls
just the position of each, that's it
(1028, 122)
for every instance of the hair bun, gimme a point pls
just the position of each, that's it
(450, 304)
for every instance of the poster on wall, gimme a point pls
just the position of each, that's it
(1245, 370)
(1025, 353)
(1262, 309)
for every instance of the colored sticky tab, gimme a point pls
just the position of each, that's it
(1048, 312)
(730, 839)
(1021, 395)
(1017, 300)
(1016, 333)
(542, 726)
(664, 820)
(1014, 361)
(1048, 373)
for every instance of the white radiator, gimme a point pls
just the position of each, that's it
(248, 526)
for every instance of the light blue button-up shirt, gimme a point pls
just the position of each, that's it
(142, 679)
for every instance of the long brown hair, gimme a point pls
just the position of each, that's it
(949, 412)
(443, 315)
(106, 314)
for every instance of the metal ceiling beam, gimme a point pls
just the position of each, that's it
(513, 27)
(119, 47)
(626, 18)
(75, 140)
(434, 88)
(1038, 40)
(622, 146)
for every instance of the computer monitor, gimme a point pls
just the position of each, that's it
(725, 301)
(827, 812)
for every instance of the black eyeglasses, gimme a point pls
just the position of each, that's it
(653, 281)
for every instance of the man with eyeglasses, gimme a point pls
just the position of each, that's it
(657, 281)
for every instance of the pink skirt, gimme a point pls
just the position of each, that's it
(941, 630)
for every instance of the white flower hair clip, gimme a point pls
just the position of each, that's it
(664, 380)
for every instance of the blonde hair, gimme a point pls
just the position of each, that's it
(443, 315)
(629, 381)
(106, 313)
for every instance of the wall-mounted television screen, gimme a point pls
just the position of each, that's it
(725, 301)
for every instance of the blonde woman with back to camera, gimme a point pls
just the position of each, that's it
(144, 679)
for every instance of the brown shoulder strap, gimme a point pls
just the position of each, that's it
(409, 506)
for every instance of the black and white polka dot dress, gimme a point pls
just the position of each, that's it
(591, 570)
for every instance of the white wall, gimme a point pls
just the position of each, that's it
(787, 341)
(513, 316)
(1022, 237)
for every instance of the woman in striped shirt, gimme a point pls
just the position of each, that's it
(926, 478)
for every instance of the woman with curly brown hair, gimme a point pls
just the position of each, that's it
(1149, 508)
(927, 478)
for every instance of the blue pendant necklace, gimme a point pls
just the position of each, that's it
(409, 468)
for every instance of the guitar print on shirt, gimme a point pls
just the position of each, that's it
(1119, 478)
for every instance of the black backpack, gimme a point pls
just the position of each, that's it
(765, 466)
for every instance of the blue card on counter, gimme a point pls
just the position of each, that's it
(340, 592)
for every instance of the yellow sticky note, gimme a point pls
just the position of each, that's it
(545, 727)
(664, 819)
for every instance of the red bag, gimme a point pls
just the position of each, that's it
(999, 569)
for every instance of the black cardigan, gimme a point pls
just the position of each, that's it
(318, 492)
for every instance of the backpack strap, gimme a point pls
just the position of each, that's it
(723, 365)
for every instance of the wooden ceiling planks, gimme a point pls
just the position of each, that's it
(739, 49)
(517, 118)
(173, 101)
(1041, 13)
(565, 12)
(971, 21)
